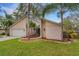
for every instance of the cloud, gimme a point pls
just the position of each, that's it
(8, 10)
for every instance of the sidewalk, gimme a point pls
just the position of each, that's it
(7, 38)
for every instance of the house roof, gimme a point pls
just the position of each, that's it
(52, 22)
(17, 21)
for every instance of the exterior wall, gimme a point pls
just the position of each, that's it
(32, 32)
(53, 31)
(37, 21)
(2, 31)
(19, 26)
(19, 29)
(50, 30)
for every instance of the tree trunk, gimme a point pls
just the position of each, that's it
(61, 11)
(28, 18)
(41, 29)
(6, 32)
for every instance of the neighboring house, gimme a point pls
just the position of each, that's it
(51, 30)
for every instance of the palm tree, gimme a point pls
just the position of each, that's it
(28, 18)
(32, 11)
(19, 12)
(37, 12)
(7, 22)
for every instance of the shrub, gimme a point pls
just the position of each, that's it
(74, 35)
(70, 33)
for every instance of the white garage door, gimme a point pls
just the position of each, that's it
(18, 33)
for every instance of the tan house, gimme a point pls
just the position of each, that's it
(51, 30)
(18, 29)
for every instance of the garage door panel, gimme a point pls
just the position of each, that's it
(18, 33)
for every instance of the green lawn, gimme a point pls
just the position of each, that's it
(38, 48)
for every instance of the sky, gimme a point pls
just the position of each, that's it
(10, 8)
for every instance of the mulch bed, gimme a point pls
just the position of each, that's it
(31, 36)
(26, 37)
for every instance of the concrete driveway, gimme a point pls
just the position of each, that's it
(7, 38)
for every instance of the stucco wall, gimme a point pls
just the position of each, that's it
(53, 31)
(19, 29)
(2, 31)
(19, 26)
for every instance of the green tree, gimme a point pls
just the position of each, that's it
(67, 24)
(31, 14)
(32, 24)
(20, 11)
(7, 22)
(69, 28)
(38, 13)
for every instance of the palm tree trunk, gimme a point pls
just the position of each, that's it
(61, 11)
(41, 29)
(28, 29)
(7, 32)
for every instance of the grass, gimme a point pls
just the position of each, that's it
(38, 48)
